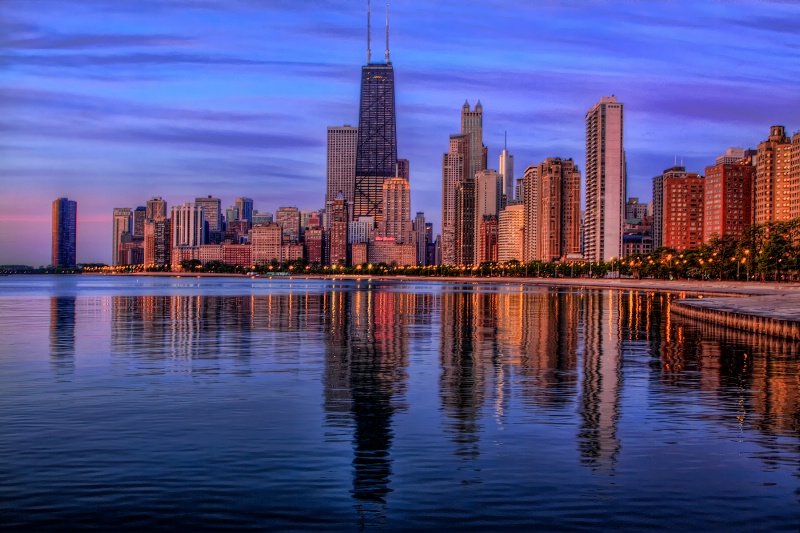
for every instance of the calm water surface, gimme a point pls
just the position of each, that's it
(154, 403)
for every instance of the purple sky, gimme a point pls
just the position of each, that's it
(110, 102)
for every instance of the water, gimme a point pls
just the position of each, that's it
(155, 403)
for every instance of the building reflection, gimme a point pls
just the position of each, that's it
(62, 335)
(463, 374)
(599, 403)
(365, 382)
(549, 346)
(211, 334)
(755, 378)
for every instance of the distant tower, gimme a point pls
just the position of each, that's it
(188, 223)
(605, 181)
(156, 209)
(123, 217)
(212, 207)
(137, 227)
(245, 206)
(65, 230)
(376, 151)
(507, 173)
(421, 231)
(289, 220)
(472, 123)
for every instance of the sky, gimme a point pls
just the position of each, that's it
(111, 102)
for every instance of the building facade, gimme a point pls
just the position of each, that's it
(605, 180)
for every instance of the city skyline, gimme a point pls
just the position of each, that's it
(110, 105)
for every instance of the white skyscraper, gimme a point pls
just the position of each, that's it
(507, 173)
(187, 225)
(605, 181)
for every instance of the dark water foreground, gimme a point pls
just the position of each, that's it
(152, 403)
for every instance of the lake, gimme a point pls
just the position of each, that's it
(149, 403)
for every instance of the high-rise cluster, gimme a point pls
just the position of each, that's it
(487, 216)
(742, 188)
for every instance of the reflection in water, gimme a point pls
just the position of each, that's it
(462, 379)
(62, 335)
(562, 356)
(602, 379)
(365, 379)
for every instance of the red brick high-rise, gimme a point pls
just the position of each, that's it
(728, 199)
(683, 211)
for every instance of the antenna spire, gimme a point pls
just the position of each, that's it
(505, 140)
(387, 33)
(369, 54)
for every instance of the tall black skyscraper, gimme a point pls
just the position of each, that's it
(376, 153)
(65, 229)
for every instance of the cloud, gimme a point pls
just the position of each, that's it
(78, 41)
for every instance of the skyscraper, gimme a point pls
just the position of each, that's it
(212, 212)
(605, 181)
(245, 207)
(337, 238)
(507, 174)
(65, 230)
(376, 152)
(488, 196)
(472, 124)
(156, 209)
(396, 222)
(137, 226)
(121, 224)
(552, 210)
(289, 220)
(341, 163)
(188, 223)
(510, 233)
(421, 231)
(455, 170)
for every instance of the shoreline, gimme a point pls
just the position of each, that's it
(768, 308)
